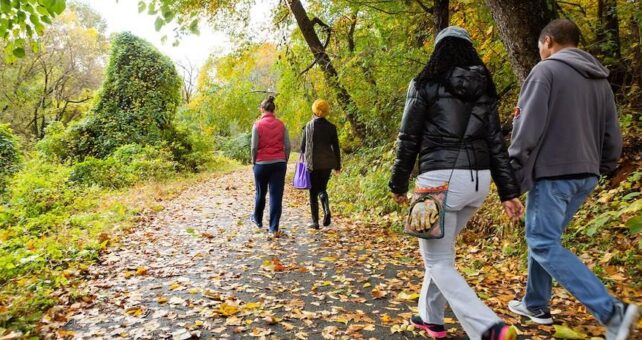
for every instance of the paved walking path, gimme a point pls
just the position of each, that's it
(200, 269)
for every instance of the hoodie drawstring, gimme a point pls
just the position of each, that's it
(474, 178)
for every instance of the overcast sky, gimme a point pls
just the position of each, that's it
(123, 16)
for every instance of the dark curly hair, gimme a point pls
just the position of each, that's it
(449, 53)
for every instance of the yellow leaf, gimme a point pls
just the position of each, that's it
(212, 294)
(61, 333)
(141, 271)
(386, 318)
(228, 310)
(194, 291)
(408, 297)
(162, 299)
(174, 286)
(341, 319)
(563, 332)
(134, 311)
(252, 306)
(329, 259)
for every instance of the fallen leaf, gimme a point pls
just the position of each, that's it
(141, 271)
(134, 311)
(564, 332)
(228, 310)
(408, 297)
(175, 300)
(252, 306)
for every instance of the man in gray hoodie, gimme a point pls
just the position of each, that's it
(565, 135)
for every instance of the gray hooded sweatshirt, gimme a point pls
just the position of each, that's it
(566, 120)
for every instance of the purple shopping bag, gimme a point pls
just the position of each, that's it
(301, 175)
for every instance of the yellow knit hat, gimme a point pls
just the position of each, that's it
(321, 108)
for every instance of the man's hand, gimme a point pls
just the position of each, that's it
(400, 198)
(513, 208)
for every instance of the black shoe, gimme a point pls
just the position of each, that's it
(325, 203)
(253, 220)
(313, 225)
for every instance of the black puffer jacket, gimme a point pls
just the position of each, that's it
(453, 126)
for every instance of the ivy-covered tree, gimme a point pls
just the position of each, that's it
(136, 104)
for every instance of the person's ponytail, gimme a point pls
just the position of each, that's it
(268, 104)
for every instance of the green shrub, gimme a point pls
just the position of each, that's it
(40, 188)
(145, 162)
(363, 185)
(128, 165)
(9, 154)
(237, 148)
(106, 173)
(55, 145)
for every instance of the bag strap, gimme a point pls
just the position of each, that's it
(461, 141)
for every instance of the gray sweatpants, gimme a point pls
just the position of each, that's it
(442, 283)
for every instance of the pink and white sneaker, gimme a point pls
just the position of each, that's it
(500, 331)
(433, 330)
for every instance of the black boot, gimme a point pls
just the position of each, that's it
(325, 202)
(314, 210)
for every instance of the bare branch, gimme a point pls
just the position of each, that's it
(423, 6)
(309, 67)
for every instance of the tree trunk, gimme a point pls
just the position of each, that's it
(520, 23)
(637, 60)
(323, 59)
(441, 15)
(608, 34)
(608, 42)
(438, 18)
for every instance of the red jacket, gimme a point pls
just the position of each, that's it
(271, 133)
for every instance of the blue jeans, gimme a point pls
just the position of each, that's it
(551, 205)
(269, 177)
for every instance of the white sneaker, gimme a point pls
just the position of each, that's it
(622, 322)
(542, 317)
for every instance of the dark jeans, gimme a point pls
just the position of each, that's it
(318, 185)
(269, 177)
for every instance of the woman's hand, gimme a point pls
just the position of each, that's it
(400, 198)
(337, 172)
(513, 208)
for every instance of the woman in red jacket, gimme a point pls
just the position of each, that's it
(270, 153)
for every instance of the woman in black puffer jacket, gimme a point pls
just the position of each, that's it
(451, 124)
